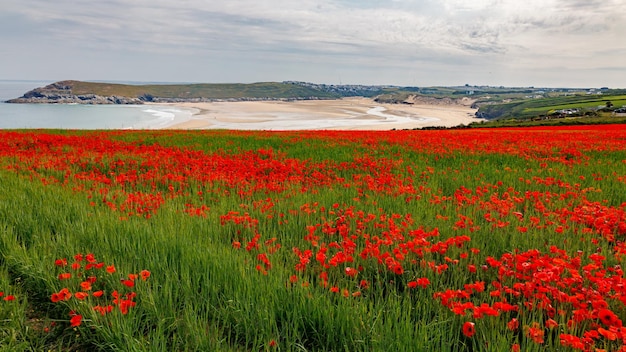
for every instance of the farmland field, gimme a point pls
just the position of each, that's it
(529, 108)
(449, 240)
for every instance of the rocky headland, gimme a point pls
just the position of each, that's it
(61, 93)
(77, 92)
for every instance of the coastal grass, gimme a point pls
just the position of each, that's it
(269, 90)
(203, 295)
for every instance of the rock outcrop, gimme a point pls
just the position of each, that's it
(61, 93)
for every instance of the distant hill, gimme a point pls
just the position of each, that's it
(108, 93)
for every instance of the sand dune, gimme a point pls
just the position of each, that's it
(343, 114)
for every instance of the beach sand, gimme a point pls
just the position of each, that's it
(341, 114)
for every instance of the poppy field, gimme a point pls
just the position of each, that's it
(450, 240)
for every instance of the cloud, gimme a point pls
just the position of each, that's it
(502, 34)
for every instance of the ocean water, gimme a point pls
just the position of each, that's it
(75, 116)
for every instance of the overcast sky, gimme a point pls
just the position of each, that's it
(547, 43)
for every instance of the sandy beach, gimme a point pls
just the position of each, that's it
(342, 114)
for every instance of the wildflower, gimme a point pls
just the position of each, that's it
(85, 286)
(9, 298)
(76, 320)
(551, 324)
(513, 324)
(535, 333)
(103, 310)
(98, 293)
(351, 271)
(64, 276)
(468, 329)
(423, 282)
(572, 341)
(110, 269)
(609, 335)
(145, 274)
(608, 318)
(62, 295)
(60, 262)
(81, 295)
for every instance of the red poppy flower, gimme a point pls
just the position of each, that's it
(551, 324)
(610, 335)
(608, 318)
(513, 324)
(423, 282)
(351, 271)
(76, 320)
(85, 286)
(468, 329)
(81, 295)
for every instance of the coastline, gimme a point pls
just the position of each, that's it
(340, 114)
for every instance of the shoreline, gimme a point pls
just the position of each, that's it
(340, 114)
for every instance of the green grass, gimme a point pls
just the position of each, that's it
(209, 91)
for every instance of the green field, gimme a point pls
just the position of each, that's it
(530, 108)
(454, 240)
(616, 100)
(272, 90)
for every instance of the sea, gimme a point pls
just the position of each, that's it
(77, 116)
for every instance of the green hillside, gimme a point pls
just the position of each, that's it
(208, 91)
(530, 108)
